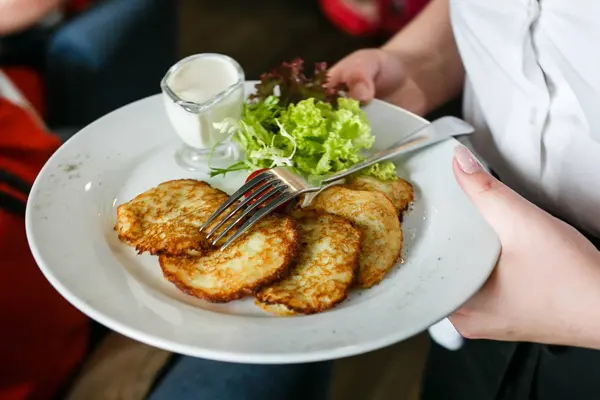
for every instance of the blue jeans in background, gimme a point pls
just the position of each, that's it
(195, 378)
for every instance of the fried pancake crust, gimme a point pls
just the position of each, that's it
(324, 270)
(400, 192)
(166, 219)
(259, 257)
(376, 218)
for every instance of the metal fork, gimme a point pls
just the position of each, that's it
(277, 186)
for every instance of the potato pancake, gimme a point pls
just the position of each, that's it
(166, 219)
(399, 191)
(260, 257)
(376, 217)
(324, 269)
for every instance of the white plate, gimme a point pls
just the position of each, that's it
(449, 249)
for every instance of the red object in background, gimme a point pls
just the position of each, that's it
(397, 13)
(392, 16)
(77, 6)
(30, 84)
(43, 338)
(347, 19)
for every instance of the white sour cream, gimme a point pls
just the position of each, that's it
(203, 80)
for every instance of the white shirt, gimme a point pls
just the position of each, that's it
(533, 94)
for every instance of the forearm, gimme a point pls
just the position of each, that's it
(428, 49)
(17, 15)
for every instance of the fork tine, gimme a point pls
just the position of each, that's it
(270, 206)
(248, 210)
(270, 185)
(263, 176)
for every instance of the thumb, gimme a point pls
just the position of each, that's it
(498, 204)
(360, 85)
(363, 91)
(358, 71)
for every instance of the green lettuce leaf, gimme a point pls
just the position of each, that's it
(384, 171)
(311, 136)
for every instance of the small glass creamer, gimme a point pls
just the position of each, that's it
(198, 91)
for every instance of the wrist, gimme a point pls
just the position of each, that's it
(411, 98)
(426, 86)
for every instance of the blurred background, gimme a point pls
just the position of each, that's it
(262, 33)
(87, 57)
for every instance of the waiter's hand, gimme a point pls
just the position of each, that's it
(380, 73)
(546, 285)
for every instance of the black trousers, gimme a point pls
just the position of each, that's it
(490, 370)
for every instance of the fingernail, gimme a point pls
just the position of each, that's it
(466, 161)
(361, 91)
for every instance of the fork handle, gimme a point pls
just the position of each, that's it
(437, 131)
